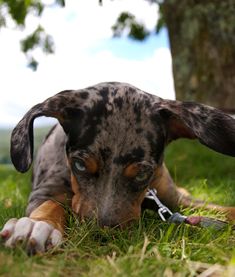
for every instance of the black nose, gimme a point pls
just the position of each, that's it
(107, 222)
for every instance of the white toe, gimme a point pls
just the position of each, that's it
(40, 233)
(23, 228)
(56, 237)
(8, 228)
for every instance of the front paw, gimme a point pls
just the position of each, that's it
(38, 236)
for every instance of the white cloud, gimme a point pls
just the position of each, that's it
(76, 29)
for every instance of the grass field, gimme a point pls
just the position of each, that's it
(150, 247)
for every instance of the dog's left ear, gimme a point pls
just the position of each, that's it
(210, 126)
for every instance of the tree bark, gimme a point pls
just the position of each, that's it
(202, 40)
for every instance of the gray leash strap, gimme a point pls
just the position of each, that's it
(177, 218)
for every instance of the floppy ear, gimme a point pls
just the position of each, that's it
(60, 106)
(210, 126)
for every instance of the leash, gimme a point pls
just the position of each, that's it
(177, 218)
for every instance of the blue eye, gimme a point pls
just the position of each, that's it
(80, 165)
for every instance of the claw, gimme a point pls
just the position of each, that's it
(31, 248)
(49, 244)
(19, 240)
(4, 234)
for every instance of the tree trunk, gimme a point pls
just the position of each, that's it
(202, 39)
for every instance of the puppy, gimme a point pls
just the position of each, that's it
(104, 154)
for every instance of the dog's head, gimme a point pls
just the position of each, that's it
(116, 135)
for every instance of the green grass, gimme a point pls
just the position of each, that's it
(149, 247)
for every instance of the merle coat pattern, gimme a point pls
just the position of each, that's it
(105, 153)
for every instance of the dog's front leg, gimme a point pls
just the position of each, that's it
(43, 228)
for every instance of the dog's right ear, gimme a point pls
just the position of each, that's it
(61, 106)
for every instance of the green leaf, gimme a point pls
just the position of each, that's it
(32, 41)
(18, 10)
(126, 22)
(38, 39)
(48, 45)
(32, 63)
(138, 31)
(60, 3)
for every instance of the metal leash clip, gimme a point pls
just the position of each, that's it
(177, 218)
(163, 211)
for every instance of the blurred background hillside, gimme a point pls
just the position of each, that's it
(5, 135)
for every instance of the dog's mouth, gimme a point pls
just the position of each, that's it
(110, 220)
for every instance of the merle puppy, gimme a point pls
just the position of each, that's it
(104, 155)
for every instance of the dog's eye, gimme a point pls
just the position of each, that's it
(80, 165)
(142, 176)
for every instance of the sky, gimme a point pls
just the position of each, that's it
(86, 53)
